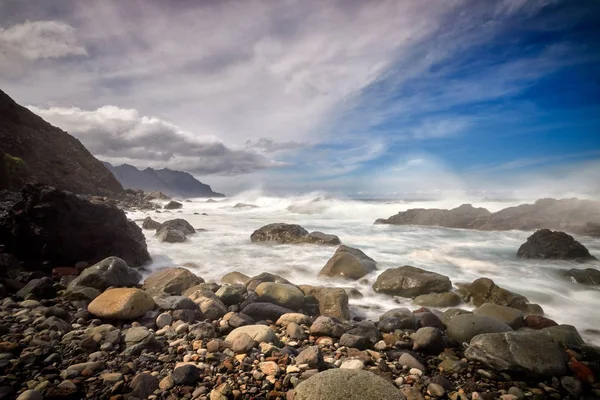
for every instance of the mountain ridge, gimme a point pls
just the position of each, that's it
(168, 181)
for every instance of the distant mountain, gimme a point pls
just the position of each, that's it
(32, 150)
(173, 183)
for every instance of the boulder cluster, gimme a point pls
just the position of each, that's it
(103, 332)
(171, 231)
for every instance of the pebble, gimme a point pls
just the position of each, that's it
(352, 364)
(30, 394)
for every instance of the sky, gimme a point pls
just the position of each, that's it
(364, 98)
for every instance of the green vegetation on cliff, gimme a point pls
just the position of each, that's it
(14, 171)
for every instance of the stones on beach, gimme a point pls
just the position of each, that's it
(121, 303)
(484, 290)
(510, 316)
(171, 281)
(110, 272)
(408, 281)
(291, 234)
(441, 300)
(259, 333)
(553, 245)
(348, 263)
(282, 294)
(464, 327)
(333, 302)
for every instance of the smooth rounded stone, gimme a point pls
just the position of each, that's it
(565, 335)
(352, 364)
(530, 352)
(410, 361)
(269, 311)
(211, 308)
(110, 272)
(178, 224)
(516, 392)
(186, 374)
(296, 318)
(348, 263)
(446, 299)
(295, 332)
(173, 205)
(311, 356)
(111, 377)
(585, 276)
(171, 281)
(532, 309)
(279, 233)
(186, 315)
(325, 326)
(484, 290)
(231, 294)
(143, 385)
(333, 302)
(58, 313)
(282, 294)
(40, 288)
(510, 316)
(409, 281)
(553, 245)
(74, 370)
(322, 238)
(397, 318)
(182, 328)
(433, 389)
(571, 385)
(171, 303)
(260, 333)
(253, 282)
(538, 322)
(166, 383)
(429, 340)
(464, 327)
(30, 395)
(354, 341)
(235, 278)
(237, 320)
(347, 384)
(451, 313)
(269, 368)
(164, 319)
(428, 319)
(243, 343)
(121, 303)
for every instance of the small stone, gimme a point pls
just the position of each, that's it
(269, 368)
(352, 364)
(436, 390)
(516, 392)
(166, 383)
(164, 319)
(186, 375)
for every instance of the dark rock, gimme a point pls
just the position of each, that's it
(447, 299)
(367, 330)
(178, 224)
(150, 224)
(322, 238)
(170, 235)
(143, 385)
(311, 356)
(175, 303)
(39, 288)
(429, 340)
(484, 290)
(348, 263)
(510, 316)
(186, 375)
(173, 205)
(355, 341)
(408, 281)
(325, 326)
(428, 319)
(237, 320)
(253, 282)
(538, 322)
(555, 245)
(58, 313)
(231, 294)
(269, 311)
(280, 233)
(58, 228)
(464, 327)
(587, 276)
(111, 271)
(565, 335)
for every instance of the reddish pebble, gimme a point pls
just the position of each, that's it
(538, 322)
(581, 371)
(422, 310)
(59, 272)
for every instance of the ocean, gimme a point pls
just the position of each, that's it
(462, 255)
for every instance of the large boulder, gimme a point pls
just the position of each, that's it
(484, 290)
(322, 238)
(150, 224)
(179, 224)
(529, 352)
(111, 271)
(510, 316)
(333, 302)
(59, 229)
(282, 294)
(121, 303)
(173, 205)
(347, 384)
(171, 281)
(253, 282)
(587, 276)
(408, 281)
(555, 245)
(348, 263)
(170, 235)
(464, 327)
(280, 233)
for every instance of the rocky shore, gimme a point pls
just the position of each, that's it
(90, 327)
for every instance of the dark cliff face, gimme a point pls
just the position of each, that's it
(174, 183)
(32, 150)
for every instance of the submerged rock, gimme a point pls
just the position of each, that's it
(348, 263)
(291, 234)
(484, 290)
(555, 245)
(587, 276)
(408, 281)
(170, 235)
(150, 224)
(173, 205)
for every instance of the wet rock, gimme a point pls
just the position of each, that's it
(538, 322)
(451, 313)
(484, 290)
(429, 340)
(150, 224)
(322, 238)
(111, 271)
(565, 335)
(285, 295)
(510, 316)
(279, 233)
(348, 263)
(253, 282)
(333, 302)
(234, 278)
(121, 303)
(231, 294)
(408, 281)
(446, 299)
(530, 352)
(170, 235)
(171, 281)
(178, 224)
(173, 205)
(587, 276)
(571, 385)
(555, 245)
(56, 324)
(464, 327)
(268, 311)
(397, 318)
(296, 318)
(354, 341)
(39, 288)
(425, 319)
(347, 384)
(186, 375)
(175, 303)
(325, 326)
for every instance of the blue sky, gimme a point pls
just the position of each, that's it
(382, 98)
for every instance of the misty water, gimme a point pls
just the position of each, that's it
(463, 255)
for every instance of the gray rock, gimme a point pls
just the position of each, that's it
(143, 385)
(30, 395)
(333, 302)
(446, 299)
(170, 235)
(295, 332)
(325, 326)
(231, 294)
(429, 340)
(348, 263)
(571, 385)
(408, 281)
(173, 205)
(397, 318)
(279, 233)
(178, 224)
(268, 311)
(57, 324)
(234, 278)
(237, 320)
(175, 303)
(464, 327)
(565, 335)
(243, 343)
(284, 295)
(354, 341)
(347, 384)
(451, 313)
(260, 333)
(253, 282)
(322, 238)
(186, 375)
(150, 224)
(111, 271)
(410, 361)
(164, 319)
(510, 316)
(312, 356)
(484, 290)
(530, 352)
(84, 293)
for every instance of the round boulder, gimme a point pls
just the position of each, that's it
(282, 294)
(510, 316)
(171, 281)
(259, 333)
(464, 327)
(555, 245)
(408, 281)
(121, 303)
(279, 233)
(348, 263)
(347, 384)
(111, 271)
